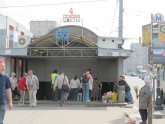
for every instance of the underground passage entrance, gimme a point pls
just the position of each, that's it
(45, 91)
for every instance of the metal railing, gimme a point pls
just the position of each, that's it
(62, 52)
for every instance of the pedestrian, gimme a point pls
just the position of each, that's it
(74, 88)
(144, 95)
(87, 81)
(90, 80)
(54, 76)
(80, 93)
(62, 80)
(5, 92)
(22, 88)
(32, 84)
(95, 93)
(14, 86)
(128, 95)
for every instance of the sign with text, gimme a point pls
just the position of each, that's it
(161, 32)
(146, 35)
(71, 17)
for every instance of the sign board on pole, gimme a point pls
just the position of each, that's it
(146, 35)
(161, 32)
(158, 18)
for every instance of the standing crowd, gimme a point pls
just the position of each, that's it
(84, 89)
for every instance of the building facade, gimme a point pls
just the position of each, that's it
(139, 57)
(40, 28)
(71, 49)
(11, 33)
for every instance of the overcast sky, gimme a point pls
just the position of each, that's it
(101, 16)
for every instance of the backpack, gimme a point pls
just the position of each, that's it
(84, 79)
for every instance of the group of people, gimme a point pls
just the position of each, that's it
(78, 89)
(27, 83)
(30, 83)
(143, 96)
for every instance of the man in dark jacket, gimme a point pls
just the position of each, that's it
(128, 94)
(5, 91)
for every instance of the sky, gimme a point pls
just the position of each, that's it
(100, 16)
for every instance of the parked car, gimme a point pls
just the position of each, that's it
(133, 74)
(142, 74)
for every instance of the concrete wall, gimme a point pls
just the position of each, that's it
(40, 28)
(108, 42)
(103, 69)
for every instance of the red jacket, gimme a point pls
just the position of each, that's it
(22, 83)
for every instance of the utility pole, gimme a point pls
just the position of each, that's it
(151, 63)
(120, 33)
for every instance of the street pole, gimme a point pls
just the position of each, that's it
(120, 33)
(151, 62)
(158, 105)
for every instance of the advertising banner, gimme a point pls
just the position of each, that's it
(146, 35)
(161, 32)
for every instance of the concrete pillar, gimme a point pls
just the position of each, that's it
(119, 68)
(8, 65)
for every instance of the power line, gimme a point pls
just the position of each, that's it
(52, 4)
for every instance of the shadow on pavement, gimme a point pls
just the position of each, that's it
(55, 107)
(117, 121)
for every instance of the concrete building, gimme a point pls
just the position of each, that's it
(12, 33)
(71, 49)
(12, 36)
(40, 28)
(139, 57)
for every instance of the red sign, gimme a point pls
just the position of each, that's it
(71, 17)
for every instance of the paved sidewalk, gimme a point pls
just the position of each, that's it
(68, 114)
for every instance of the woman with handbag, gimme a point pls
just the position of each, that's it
(62, 84)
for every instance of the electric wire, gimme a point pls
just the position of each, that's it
(52, 4)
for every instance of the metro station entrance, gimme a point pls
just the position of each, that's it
(72, 53)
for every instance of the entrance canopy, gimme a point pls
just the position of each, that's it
(68, 41)
(67, 36)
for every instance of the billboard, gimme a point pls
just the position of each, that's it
(161, 32)
(159, 55)
(146, 35)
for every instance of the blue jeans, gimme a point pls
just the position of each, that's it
(85, 92)
(128, 96)
(2, 113)
(73, 93)
(63, 95)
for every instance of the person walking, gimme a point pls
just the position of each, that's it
(22, 88)
(128, 95)
(54, 76)
(5, 92)
(14, 85)
(62, 80)
(74, 86)
(32, 84)
(144, 95)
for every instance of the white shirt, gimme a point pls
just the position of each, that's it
(75, 83)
